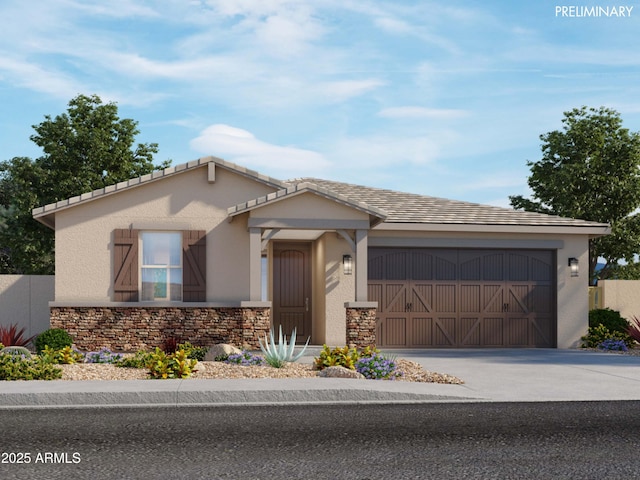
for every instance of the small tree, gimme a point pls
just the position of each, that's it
(85, 149)
(590, 170)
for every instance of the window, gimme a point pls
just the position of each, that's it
(161, 266)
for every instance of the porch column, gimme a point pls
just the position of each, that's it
(361, 265)
(255, 264)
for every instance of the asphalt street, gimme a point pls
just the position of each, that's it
(544, 440)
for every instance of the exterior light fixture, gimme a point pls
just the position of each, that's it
(347, 264)
(573, 266)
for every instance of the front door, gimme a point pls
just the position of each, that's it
(292, 289)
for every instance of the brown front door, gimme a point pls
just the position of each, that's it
(292, 289)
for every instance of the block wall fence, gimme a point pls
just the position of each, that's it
(24, 301)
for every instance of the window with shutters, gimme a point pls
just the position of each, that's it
(161, 266)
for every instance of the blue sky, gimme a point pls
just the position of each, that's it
(443, 98)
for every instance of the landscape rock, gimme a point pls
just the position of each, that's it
(219, 350)
(339, 372)
(200, 368)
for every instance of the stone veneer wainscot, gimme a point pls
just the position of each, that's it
(132, 328)
(361, 324)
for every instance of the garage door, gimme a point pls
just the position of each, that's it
(430, 298)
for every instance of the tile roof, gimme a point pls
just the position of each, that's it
(392, 206)
(403, 207)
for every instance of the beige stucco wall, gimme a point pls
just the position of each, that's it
(339, 288)
(573, 293)
(84, 234)
(308, 205)
(621, 295)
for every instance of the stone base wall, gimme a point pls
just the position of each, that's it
(361, 327)
(130, 329)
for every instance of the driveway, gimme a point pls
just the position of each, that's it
(536, 374)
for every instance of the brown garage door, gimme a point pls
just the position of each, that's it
(463, 298)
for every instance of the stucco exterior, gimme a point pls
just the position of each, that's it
(84, 270)
(243, 214)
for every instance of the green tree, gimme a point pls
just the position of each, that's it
(85, 149)
(590, 170)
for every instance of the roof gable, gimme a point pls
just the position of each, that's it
(45, 214)
(377, 215)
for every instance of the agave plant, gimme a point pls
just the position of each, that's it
(277, 354)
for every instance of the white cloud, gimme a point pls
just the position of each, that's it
(343, 90)
(287, 35)
(240, 146)
(38, 78)
(421, 112)
(114, 8)
(384, 150)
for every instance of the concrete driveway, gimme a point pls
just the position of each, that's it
(536, 374)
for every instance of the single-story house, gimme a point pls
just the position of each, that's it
(209, 252)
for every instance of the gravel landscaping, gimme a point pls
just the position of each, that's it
(413, 372)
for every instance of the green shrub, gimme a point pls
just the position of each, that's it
(597, 335)
(611, 319)
(55, 338)
(606, 324)
(342, 357)
(66, 355)
(139, 360)
(15, 367)
(174, 365)
(197, 353)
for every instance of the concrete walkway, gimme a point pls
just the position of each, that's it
(490, 376)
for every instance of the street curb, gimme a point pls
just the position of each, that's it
(222, 392)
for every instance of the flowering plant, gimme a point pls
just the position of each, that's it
(613, 344)
(245, 359)
(103, 355)
(378, 367)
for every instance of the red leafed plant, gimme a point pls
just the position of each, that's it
(12, 337)
(634, 328)
(170, 344)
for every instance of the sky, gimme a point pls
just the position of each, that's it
(441, 98)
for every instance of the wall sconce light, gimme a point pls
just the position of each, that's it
(573, 266)
(347, 264)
